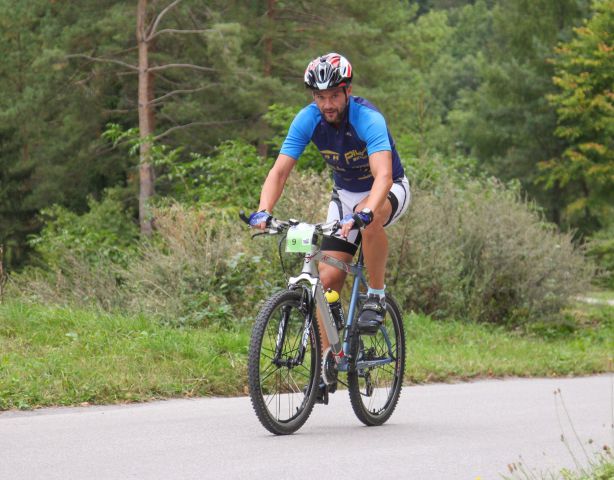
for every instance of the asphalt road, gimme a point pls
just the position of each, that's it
(442, 431)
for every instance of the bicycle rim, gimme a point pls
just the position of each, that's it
(375, 390)
(283, 386)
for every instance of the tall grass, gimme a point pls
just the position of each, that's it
(181, 275)
(478, 252)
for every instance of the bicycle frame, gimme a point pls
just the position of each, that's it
(373, 361)
(341, 350)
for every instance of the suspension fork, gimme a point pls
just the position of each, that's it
(281, 334)
(308, 303)
(307, 307)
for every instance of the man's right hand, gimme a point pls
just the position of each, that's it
(260, 219)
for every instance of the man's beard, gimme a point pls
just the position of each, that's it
(334, 117)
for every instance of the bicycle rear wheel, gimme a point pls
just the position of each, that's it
(376, 377)
(282, 374)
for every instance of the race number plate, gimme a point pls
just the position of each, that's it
(299, 238)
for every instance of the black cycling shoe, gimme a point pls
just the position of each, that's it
(372, 314)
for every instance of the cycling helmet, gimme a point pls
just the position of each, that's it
(328, 71)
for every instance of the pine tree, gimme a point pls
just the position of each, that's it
(49, 123)
(585, 120)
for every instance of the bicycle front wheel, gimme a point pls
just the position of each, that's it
(284, 362)
(376, 376)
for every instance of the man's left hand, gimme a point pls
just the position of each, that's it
(360, 219)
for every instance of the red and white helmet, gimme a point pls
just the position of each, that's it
(328, 71)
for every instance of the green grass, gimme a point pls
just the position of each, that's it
(443, 351)
(61, 356)
(601, 470)
(54, 356)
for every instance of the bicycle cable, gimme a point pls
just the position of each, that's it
(254, 235)
(281, 258)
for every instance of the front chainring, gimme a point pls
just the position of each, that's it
(329, 369)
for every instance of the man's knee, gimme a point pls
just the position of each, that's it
(332, 277)
(375, 230)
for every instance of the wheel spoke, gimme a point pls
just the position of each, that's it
(276, 380)
(374, 389)
(267, 375)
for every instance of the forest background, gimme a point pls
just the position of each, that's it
(499, 108)
(133, 133)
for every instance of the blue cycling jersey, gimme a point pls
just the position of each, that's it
(347, 148)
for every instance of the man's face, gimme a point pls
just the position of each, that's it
(332, 103)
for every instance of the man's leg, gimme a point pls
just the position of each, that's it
(375, 244)
(375, 250)
(331, 277)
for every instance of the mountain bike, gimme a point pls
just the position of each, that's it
(286, 364)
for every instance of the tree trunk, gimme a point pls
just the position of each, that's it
(263, 148)
(2, 277)
(268, 38)
(146, 127)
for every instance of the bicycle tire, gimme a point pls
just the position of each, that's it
(283, 396)
(383, 382)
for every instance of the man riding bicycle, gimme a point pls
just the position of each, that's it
(370, 188)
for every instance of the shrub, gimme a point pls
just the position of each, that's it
(483, 253)
(470, 249)
(467, 248)
(80, 256)
(105, 233)
(430, 171)
(306, 196)
(207, 262)
(203, 267)
(178, 273)
(189, 273)
(199, 268)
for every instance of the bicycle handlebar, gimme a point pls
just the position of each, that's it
(275, 226)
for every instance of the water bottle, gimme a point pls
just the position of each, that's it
(336, 309)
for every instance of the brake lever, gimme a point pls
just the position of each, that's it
(334, 228)
(243, 217)
(268, 231)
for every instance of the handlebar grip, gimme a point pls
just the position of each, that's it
(243, 217)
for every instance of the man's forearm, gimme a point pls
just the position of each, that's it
(271, 191)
